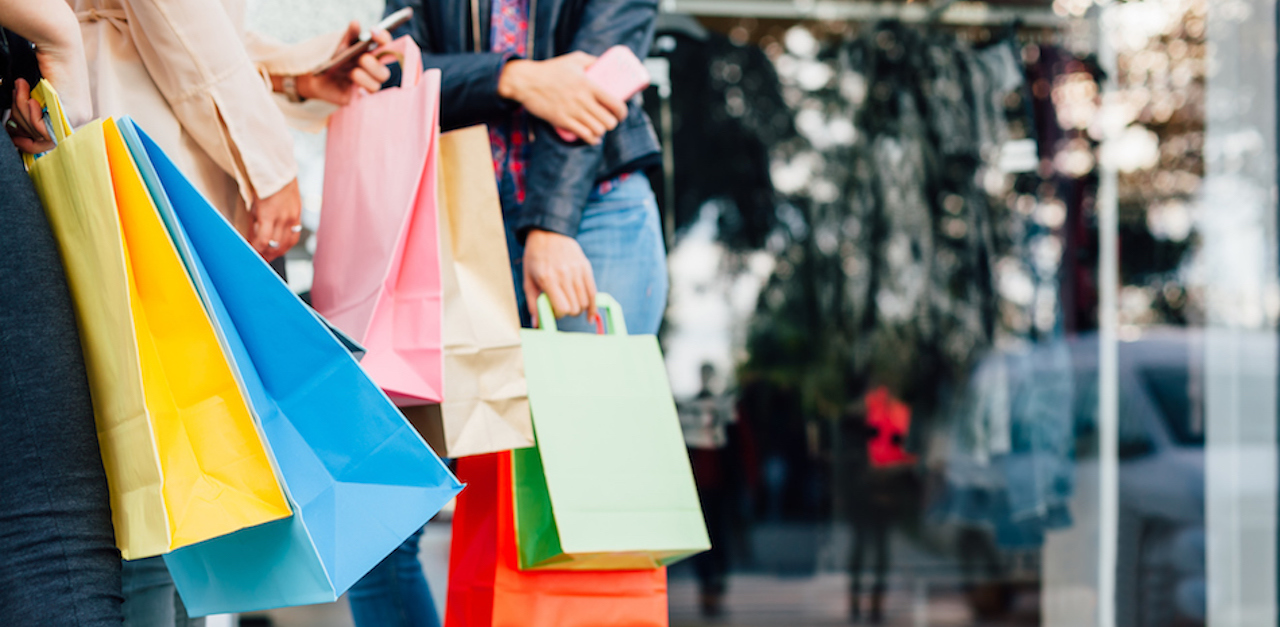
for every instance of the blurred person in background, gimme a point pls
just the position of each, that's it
(884, 489)
(58, 559)
(201, 86)
(706, 421)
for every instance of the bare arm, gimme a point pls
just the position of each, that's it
(51, 26)
(40, 21)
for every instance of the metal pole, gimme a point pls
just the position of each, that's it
(1108, 360)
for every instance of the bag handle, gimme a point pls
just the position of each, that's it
(410, 59)
(612, 315)
(406, 51)
(55, 119)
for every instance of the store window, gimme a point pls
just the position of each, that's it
(973, 309)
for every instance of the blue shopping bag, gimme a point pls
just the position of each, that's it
(359, 478)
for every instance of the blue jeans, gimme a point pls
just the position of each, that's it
(395, 592)
(150, 598)
(621, 235)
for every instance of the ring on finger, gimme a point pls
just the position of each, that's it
(273, 244)
(297, 228)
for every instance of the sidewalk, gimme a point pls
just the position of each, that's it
(753, 600)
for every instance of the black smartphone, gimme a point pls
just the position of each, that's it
(363, 45)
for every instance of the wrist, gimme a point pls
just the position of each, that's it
(306, 86)
(536, 237)
(511, 81)
(297, 88)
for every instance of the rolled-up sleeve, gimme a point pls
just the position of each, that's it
(275, 58)
(194, 54)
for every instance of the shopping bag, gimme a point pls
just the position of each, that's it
(184, 460)
(357, 475)
(377, 261)
(486, 403)
(488, 589)
(609, 486)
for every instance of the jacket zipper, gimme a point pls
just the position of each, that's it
(533, 23)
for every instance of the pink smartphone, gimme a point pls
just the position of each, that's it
(620, 73)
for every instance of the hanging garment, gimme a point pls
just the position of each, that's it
(726, 114)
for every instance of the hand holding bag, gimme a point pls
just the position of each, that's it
(609, 485)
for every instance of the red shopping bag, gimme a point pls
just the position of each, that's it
(488, 589)
(377, 262)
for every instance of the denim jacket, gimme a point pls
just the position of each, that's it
(454, 37)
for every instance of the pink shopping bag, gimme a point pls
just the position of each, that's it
(377, 261)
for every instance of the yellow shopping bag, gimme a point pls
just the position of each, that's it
(185, 462)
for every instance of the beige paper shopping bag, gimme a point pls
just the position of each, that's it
(486, 405)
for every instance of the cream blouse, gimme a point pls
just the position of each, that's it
(193, 79)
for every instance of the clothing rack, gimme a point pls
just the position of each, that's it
(941, 11)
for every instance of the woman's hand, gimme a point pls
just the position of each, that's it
(52, 28)
(276, 222)
(558, 91)
(63, 64)
(366, 72)
(26, 121)
(555, 264)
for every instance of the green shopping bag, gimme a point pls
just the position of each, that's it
(609, 485)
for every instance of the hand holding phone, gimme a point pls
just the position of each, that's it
(619, 73)
(365, 43)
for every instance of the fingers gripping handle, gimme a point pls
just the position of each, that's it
(546, 316)
(612, 314)
(405, 50)
(47, 96)
(57, 123)
(612, 311)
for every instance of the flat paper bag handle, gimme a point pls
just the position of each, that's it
(406, 51)
(617, 324)
(57, 123)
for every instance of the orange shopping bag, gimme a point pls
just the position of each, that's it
(488, 589)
